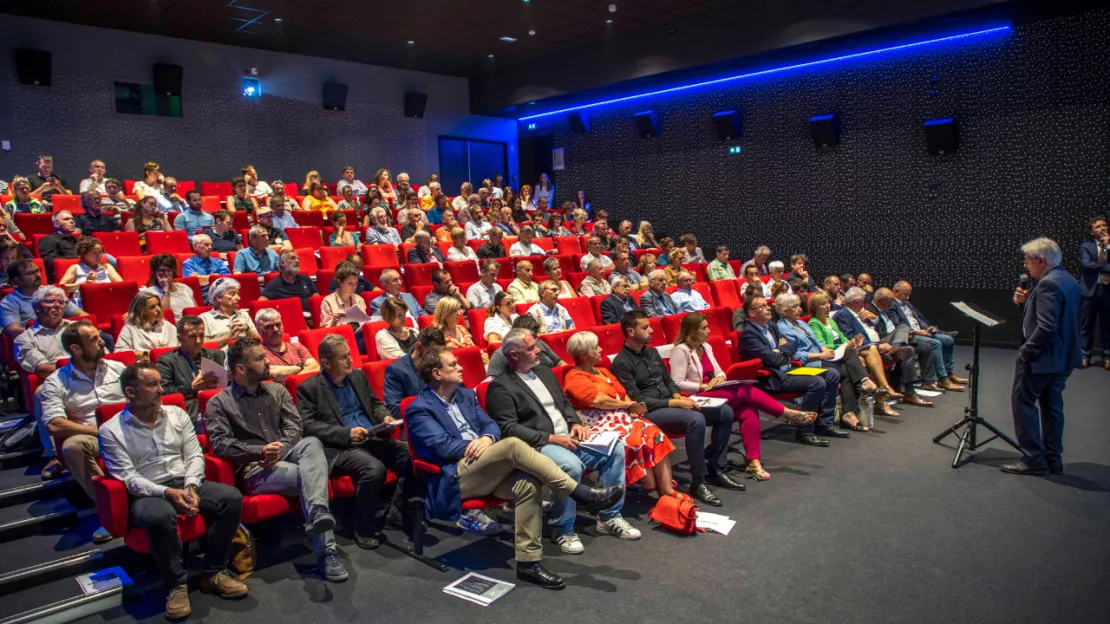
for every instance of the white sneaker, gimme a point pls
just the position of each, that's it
(569, 543)
(620, 527)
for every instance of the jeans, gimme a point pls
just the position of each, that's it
(929, 353)
(303, 472)
(818, 395)
(610, 472)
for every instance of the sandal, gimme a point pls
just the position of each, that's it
(882, 409)
(853, 427)
(755, 469)
(887, 390)
(799, 419)
(874, 387)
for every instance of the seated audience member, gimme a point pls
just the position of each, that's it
(594, 283)
(656, 301)
(174, 295)
(339, 409)
(445, 234)
(497, 364)
(694, 253)
(622, 268)
(203, 264)
(334, 307)
(95, 181)
(285, 358)
(593, 252)
(759, 261)
(524, 289)
(317, 199)
(38, 348)
(349, 181)
(283, 207)
(493, 248)
(364, 284)
(290, 282)
(780, 288)
(391, 284)
(777, 269)
(603, 233)
(411, 214)
(895, 329)
(555, 225)
(504, 219)
(413, 224)
(832, 285)
(310, 178)
(257, 187)
(641, 371)
(278, 240)
(446, 319)
(666, 246)
(686, 298)
(830, 336)
(180, 369)
(193, 220)
(22, 202)
(430, 200)
(527, 402)
(93, 267)
(863, 280)
(66, 404)
(854, 380)
(854, 319)
(459, 249)
(753, 286)
(481, 293)
(384, 186)
(444, 287)
(224, 239)
(921, 329)
(401, 377)
(720, 269)
(603, 405)
(381, 233)
(149, 218)
(548, 312)
(225, 321)
(645, 237)
(646, 265)
(144, 327)
(45, 181)
(94, 218)
(174, 202)
(153, 449)
(675, 258)
(447, 427)
(500, 317)
(61, 243)
(254, 426)
(478, 228)
(342, 237)
(554, 272)
(619, 302)
(115, 199)
(624, 230)
(577, 225)
(151, 184)
(799, 264)
(761, 340)
(526, 198)
(9, 231)
(258, 258)
(525, 246)
(847, 281)
(10, 251)
(424, 251)
(396, 339)
(17, 307)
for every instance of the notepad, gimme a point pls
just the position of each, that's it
(805, 371)
(601, 443)
(210, 366)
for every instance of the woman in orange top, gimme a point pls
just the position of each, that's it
(603, 405)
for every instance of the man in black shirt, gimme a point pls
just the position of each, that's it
(290, 283)
(224, 239)
(45, 182)
(61, 244)
(364, 284)
(494, 248)
(641, 371)
(94, 219)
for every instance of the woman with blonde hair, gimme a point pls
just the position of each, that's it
(674, 265)
(500, 317)
(144, 327)
(646, 264)
(394, 341)
(446, 320)
(151, 184)
(310, 178)
(645, 237)
(459, 249)
(577, 226)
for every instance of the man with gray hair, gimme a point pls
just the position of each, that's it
(686, 298)
(761, 256)
(285, 358)
(894, 328)
(481, 293)
(380, 231)
(425, 251)
(258, 258)
(619, 302)
(1048, 353)
(291, 283)
(655, 301)
(203, 264)
(61, 243)
(921, 329)
(594, 283)
(391, 284)
(38, 349)
(94, 218)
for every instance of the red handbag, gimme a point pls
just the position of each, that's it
(676, 514)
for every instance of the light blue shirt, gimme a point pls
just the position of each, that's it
(465, 431)
(555, 319)
(204, 266)
(284, 221)
(689, 300)
(16, 308)
(247, 261)
(805, 342)
(193, 222)
(387, 236)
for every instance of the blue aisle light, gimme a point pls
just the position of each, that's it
(252, 87)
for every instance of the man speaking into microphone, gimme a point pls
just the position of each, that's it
(1048, 353)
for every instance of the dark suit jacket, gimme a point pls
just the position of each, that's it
(652, 304)
(177, 375)
(848, 324)
(417, 255)
(320, 415)
(1050, 324)
(899, 334)
(519, 413)
(753, 346)
(612, 309)
(401, 381)
(1088, 259)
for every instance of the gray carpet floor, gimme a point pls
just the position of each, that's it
(878, 528)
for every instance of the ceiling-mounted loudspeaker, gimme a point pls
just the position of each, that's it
(825, 130)
(942, 136)
(415, 103)
(33, 67)
(335, 96)
(727, 124)
(647, 124)
(167, 79)
(579, 122)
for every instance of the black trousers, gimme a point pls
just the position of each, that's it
(851, 372)
(1040, 434)
(1095, 311)
(692, 423)
(366, 464)
(818, 395)
(219, 506)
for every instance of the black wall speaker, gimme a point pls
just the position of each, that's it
(647, 124)
(942, 136)
(415, 103)
(335, 96)
(579, 122)
(825, 130)
(167, 79)
(33, 67)
(727, 124)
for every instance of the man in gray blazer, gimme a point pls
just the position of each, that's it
(1045, 360)
(655, 301)
(180, 369)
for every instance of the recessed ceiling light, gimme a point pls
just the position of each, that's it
(411, 42)
(490, 56)
(608, 21)
(277, 19)
(532, 33)
(509, 39)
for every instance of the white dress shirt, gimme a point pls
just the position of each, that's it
(145, 457)
(605, 261)
(68, 393)
(871, 333)
(480, 295)
(132, 338)
(689, 300)
(519, 250)
(39, 344)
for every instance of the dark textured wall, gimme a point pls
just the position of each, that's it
(1034, 158)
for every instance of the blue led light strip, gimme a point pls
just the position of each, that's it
(770, 71)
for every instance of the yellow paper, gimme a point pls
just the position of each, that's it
(806, 371)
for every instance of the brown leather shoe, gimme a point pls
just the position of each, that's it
(885, 410)
(1106, 362)
(932, 387)
(948, 385)
(913, 399)
(1086, 362)
(889, 392)
(223, 585)
(954, 378)
(177, 604)
(52, 470)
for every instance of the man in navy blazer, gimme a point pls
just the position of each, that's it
(655, 301)
(930, 351)
(1045, 359)
(1094, 291)
(760, 340)
(401, 377)
(448, 428)
(920, 326)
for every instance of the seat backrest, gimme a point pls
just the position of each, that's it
(31, 224)
(567, 245)
(610, 338)
(305, 236)
(330, 257)
(249, 290)
(720, 351)
(61, 265)
(120, 243)
(66, 202)
(581, 311)
(309, 218)
(671, 324)
(375, 374)
(725, 293)
(419, 274)
(703, 289)
(720, 321)
(293, 381)
(307, 255)
(369, 334)
(462, 271)
(476, 320)
(311, 338)
(291, 311)
(558, 343)
(420, 293)
(134, 268)
(658, 336)
(220, 189)
(380, 256)
(474, 368)
(107, 298)
(560, 373)
(176, 241)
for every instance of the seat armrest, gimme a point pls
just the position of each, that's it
(112, 505)
(218, 470)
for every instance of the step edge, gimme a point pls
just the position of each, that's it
(33, 520)
(32, 487)
(50, 566)
(54, 609)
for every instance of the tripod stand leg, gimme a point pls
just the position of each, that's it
(954, 429)
(1007, 439)
(964, 438)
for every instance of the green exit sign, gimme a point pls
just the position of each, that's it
(736, 149)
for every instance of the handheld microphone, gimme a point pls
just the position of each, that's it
(1025, 282)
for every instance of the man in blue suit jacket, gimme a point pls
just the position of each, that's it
(401, 377)
(1094, 290)
(920, 325)
(1045, 360)
(760, 340)
(448, 428)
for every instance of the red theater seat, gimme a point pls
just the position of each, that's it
(311, 338)
(173, 242)
(292, 314)
(120, 243)
(330, 257)
(107, 298)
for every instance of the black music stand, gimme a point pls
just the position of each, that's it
(966, 430)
